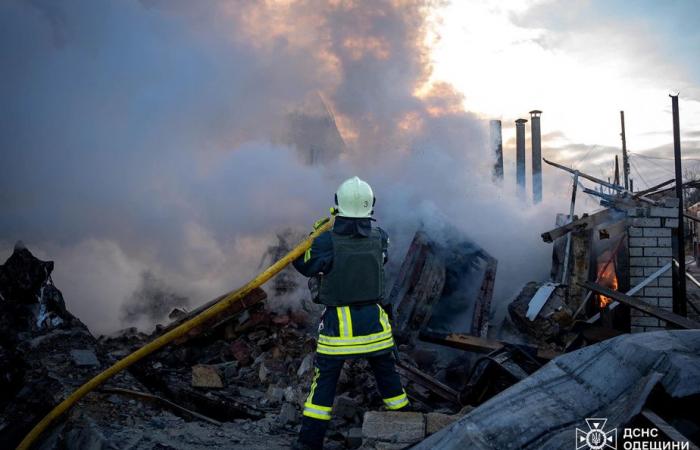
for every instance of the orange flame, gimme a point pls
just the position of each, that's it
(608, 278)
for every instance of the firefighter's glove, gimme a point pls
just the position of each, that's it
(320, 222)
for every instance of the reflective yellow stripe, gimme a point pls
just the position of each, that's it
(311, 409)
(310, 398)
(354, 349)
(307, 255)
(318, 407)
(384, 319)
(344, 321)
(317, 411)
(397, 402)
(349, 328)
(367, 339)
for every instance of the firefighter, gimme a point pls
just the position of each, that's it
(346, 270)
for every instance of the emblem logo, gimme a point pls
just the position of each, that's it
(596, 438)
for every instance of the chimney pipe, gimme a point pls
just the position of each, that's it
(520, 156)
(497, 148)
(536, 137)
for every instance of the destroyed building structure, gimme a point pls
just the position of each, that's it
(597, 338)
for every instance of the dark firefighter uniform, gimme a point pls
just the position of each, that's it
(347, 264)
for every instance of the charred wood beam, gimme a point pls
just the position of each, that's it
(589, 177)
(220, 406)
(256, 296)
(693, 184)
(433, 385)
(581, 224)
(174, 406)
(480, 321)
(654, 188)
(418, 286)
(693, 218)
(581, 253)
(622, 191)
(480, 345)
(594, 318)
(659, 313)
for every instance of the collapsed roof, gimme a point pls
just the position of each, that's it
(612, 379)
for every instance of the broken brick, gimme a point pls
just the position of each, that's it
(204, 376)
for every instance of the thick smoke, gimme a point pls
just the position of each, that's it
(153, 300)
(153, 137)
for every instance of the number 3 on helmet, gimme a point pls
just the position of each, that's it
(355, 199)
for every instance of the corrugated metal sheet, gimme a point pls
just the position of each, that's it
(611, 379)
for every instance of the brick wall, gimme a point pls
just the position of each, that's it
(650, 249)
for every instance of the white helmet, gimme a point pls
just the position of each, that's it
(354, 198)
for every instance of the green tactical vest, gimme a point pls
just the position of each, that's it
(357, 275)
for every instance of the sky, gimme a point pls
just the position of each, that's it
(146, 146)
(580, 62)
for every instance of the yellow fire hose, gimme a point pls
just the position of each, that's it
(175, 333)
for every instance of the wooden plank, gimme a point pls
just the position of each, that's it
(581, 224)
(174, 406)
(433, 385)
(581, 253)
(667, 429)
(481, 345)
(639, 305)
(418, 286)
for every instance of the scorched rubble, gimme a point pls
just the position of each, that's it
(240, 379)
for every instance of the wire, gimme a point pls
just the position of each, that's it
(660, 157)
(593, 147)
(634, 166)
(657, 165)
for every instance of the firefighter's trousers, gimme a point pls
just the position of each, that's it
(319, 403)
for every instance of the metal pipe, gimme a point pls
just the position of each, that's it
(568, 236)
(520, 156)
(679, 297)
(497, 149)
(536, 137)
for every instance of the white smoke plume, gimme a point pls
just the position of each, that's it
(154, 137)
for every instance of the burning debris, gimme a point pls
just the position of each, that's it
(238, 379)
(243, 369)
(443, 287)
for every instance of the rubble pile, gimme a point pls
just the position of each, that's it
(255, 367)
(240, 380)
(552, 326)
(245, 371)
(46, 353)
